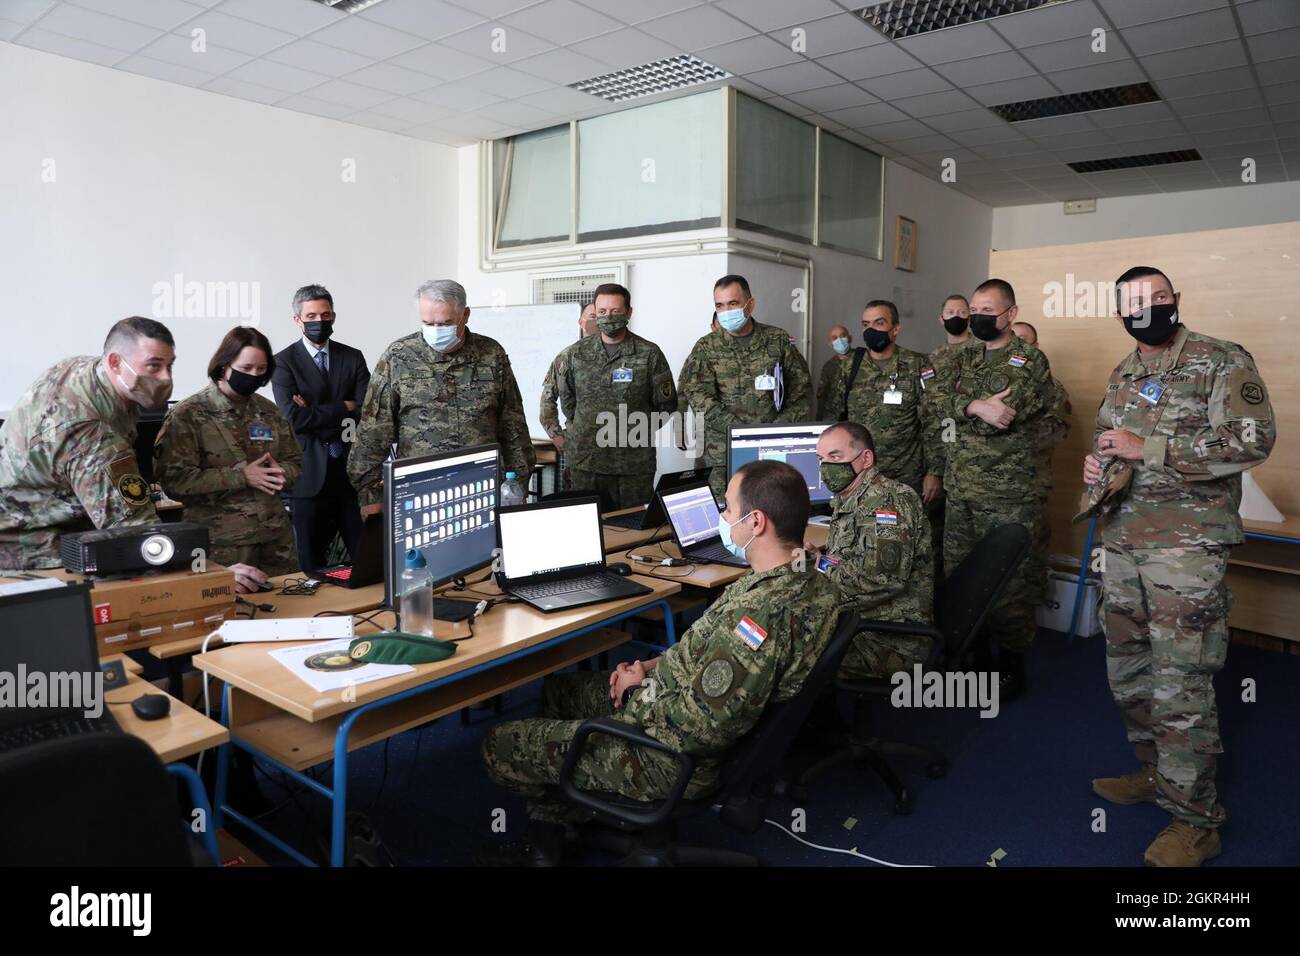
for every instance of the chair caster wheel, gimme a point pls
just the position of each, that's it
(937, 769)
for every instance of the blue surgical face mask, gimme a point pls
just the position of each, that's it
(441, 337)
(840, 345)
(724, 529)
(733, 320)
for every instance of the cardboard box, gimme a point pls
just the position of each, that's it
(147, 630)
(124, 598)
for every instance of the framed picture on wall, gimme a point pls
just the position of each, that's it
(905, 244)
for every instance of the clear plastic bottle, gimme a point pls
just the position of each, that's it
(415, 595)
(512, 490)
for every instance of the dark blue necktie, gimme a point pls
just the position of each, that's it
(335, 446)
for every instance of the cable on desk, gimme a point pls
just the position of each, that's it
(299, 587)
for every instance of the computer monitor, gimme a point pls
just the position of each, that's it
(550, 537)
(693, 513)
(794, 444)
(444, 506)
(51, 632)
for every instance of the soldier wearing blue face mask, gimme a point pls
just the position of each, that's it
(439, 389)
(841, 341)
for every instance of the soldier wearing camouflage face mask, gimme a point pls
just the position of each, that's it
(610, 386)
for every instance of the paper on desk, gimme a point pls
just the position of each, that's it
(295, 658)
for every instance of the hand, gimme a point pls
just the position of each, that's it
(247, 578)
(1091, 469)
(931, 488)
(349, 405)
(1120, 443)
(558, 441)
(993, 410)
(815, 549)
(264, 474)
(299, 401)
(625, 676)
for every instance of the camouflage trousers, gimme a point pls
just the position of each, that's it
(1166, 622)
(525, 756)
(279, 555)
(616, 491)
(1013, 622)
(882, 655)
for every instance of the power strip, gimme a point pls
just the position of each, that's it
(286, 629)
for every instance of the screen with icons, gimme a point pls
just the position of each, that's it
(795, 445)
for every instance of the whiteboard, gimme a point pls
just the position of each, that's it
(532, 336)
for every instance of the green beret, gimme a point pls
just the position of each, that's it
(398, 647)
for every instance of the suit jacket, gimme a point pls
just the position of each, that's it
(322, 420)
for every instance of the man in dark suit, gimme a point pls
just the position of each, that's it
(320, 386)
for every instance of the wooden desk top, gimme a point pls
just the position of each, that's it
(708, 576)
(620, 539)
(182, 733)
(1286, 528)
(503, 630)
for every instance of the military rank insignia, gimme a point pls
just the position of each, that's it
(1016, 360)
(750, 633)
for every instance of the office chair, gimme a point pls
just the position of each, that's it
(91, 800)
(645, 831)
(969, 594)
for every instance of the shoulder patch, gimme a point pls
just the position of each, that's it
(1016, 360)
(750, 633)
(125, 477)
(886, 517)
(927, 373)
(890, 554)
(717, 677)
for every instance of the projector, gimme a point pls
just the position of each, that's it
(133, 548)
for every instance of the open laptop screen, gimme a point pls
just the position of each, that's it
(543, 539)
(50, 633)
(694, 514)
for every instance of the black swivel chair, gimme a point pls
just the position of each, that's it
(644, 832)
(100, 799)
(969, 594)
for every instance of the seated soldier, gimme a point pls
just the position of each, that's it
(756, 644)
(877, 552)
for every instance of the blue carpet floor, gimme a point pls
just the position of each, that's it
(1018, 783)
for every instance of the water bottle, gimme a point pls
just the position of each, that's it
(512, 492)
(415, 595)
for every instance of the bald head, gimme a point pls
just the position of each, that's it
(1025, 332)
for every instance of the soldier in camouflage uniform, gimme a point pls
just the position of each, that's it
(736, 375)
(436, 390)
(227, 453)
(841, 342)
(1189, 413)
(996, 393)
(600, 383)
(889, 396)
(954, 316)
(755, 645)
(67, 451)
(877, 552)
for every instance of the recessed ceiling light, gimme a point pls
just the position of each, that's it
(908, 18)
(661, 76)
(1135, 162)
(1107, 99)
(346, 6)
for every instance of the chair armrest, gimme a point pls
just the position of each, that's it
(910, 627)
(634, 735)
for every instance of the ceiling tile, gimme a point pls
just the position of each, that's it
(966, 120)
(1012, 91)
(795, 78)
(430, 19)
(954, 43)
(278, 76)
(39, 39)
(508, 83)
(858, 117)
(1217, 102)
(1055, 173)
(378, 121)
(1073, 54)
(769, 15)
(162, 70)
(517, 114)
(97, 28)
(392, 79)
(244, 91)
(897, 132)
(1213, 149)
(1055, 125)
(367, 38)
(350, 94)
(993, 134)
(488, 43)
(441, 61)
(413, 111)
(833, 35)
(622, 49)
(235, 34)
(749, 55)
(1266, 46)
(1223, 121)
(1139, 131)
(1201, 59)
(934, 104)
(1282, 93)
(306, 104)
(1199, 84)
(435, 134)
(837, 97)
(459, 96)
(907, 83)
(25, 11)
(296, 18)
(179, 51)
(1012, 147)
(1181, 32)
(1100, 77)
(563, 101)
(1131, 115)
(931, 143)
(986, 69)
(319, 58)
(1054, 22)
(1278, 71)
(160, 14)
(788, 106)
(560, 21)
(698, 28)
(1265, 16)
(9, 29)
(471, 124)
(562, 66)
(871, 61)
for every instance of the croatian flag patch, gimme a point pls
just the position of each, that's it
(1016, 360)
(926, 374)
(750, 633)
(886, 517)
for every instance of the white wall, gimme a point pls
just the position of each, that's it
(1127, 217)
(154, 179)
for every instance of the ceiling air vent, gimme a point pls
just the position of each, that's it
(1135, 162)
(346, 6)
(1092, 100)
(661, 76)
(897, 19)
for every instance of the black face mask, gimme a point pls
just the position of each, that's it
(241, 383)
(877, 340)
(1154, 325)
(955, 325)
(985, 327)
(318, 333)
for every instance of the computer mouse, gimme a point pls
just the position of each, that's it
(618, 567)
(152, 706)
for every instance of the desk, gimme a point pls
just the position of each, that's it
(1264, 577)
(276, 716)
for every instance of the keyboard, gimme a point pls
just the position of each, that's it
(566, 586)
(630, 522)
(715, 552)
(27, 735)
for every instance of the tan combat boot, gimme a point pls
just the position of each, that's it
(1182, 844)
(1136, 787)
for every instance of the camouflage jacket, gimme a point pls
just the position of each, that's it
(719, 383)
(984, 462)
(426, 401)
(67, 463)
(943, 361)
(755, 645)
(199, 458)
(1053, 429)
(902, 437)
(586, 391)
(825, 382)
(1205, 415)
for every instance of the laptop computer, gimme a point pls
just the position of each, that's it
(693, 515)
(367, 566)
(653, 514)
(553, 555)
(50, 632)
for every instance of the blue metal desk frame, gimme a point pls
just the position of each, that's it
(200, 798)
(337, 794)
